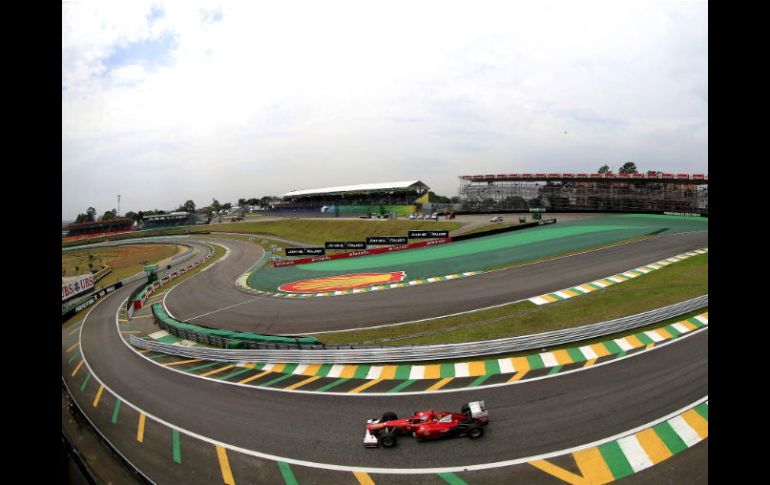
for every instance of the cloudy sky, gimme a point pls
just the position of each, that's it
(168, 101)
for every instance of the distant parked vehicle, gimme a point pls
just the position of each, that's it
(412, 216)
(496, 219)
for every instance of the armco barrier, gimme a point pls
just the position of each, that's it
(363, 252)
(221, 338)
(350, 354)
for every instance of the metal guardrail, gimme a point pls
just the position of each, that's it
(350, 354)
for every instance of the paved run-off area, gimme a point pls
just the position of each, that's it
(487, 252)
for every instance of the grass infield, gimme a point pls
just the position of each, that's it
(677, 282)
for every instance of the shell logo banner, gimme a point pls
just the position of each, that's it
(342, 282)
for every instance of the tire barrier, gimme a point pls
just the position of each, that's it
(225, 339)
(352, 354)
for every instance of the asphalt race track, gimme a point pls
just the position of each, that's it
(212, 298)
(527, 418)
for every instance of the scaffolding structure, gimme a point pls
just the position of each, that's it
(685, 193)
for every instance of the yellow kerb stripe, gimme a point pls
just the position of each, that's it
(443, 382)
(432, 372)
(590, 363)
(664, 333)
(649, 346)
(73, 346)
(477, 368)
(363, 478)
(697, 422)
(178, 362)
(74, 330)
(558, 472)
(547, 298)
(521, 364)
(257, 376)
(278, 367)
(224, 466)
(689, 325)
(218, 370)
(635, 342)
(312, 369)
(587, 288)
(302, 383)
(562, 357)
(653, 445)
(369, 384)
(570, 292)
(517, 376)
(592, 466)
(98, 395)
(140, 428)
(348, 371)
(77, 368)
(388, 372)
(600, 349)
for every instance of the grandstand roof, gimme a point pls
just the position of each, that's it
(409, 184)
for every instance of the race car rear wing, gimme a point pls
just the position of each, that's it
(478, 410)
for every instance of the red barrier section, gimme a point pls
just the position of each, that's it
(363, 252)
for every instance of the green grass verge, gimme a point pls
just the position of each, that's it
(309, 231)
(674, 283)
(577, 343)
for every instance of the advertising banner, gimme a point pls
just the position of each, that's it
(363, 252)
(76, 285)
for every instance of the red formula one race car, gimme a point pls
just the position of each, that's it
(427, 425)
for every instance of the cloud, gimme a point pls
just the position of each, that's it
(249, 98)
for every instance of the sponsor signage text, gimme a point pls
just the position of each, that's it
(305, 251)
(76, 285)
(345, 245)
(386, 240)
(427, 234)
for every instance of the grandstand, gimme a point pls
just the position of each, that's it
(659, 192)
(400, 198)
(98, 227)
(168, 220)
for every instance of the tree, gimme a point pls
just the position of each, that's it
(628, 167)
(215, 206)
(604, 169)
(89, 216)
(189, 206)
(227, 206)
(653, 172)
(241, 202)
(109, 215)
(133, 215)
(253, 201)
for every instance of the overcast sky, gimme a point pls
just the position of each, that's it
(168, 101)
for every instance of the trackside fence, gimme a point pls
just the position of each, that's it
(141, 294)
(319, 353)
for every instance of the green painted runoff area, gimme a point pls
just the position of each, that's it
(489, 251)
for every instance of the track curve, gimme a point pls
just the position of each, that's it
(212, 298)
(528, 418)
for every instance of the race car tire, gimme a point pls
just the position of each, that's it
(389, 416)
(465, 409)
(475, 431)
(388, 440)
